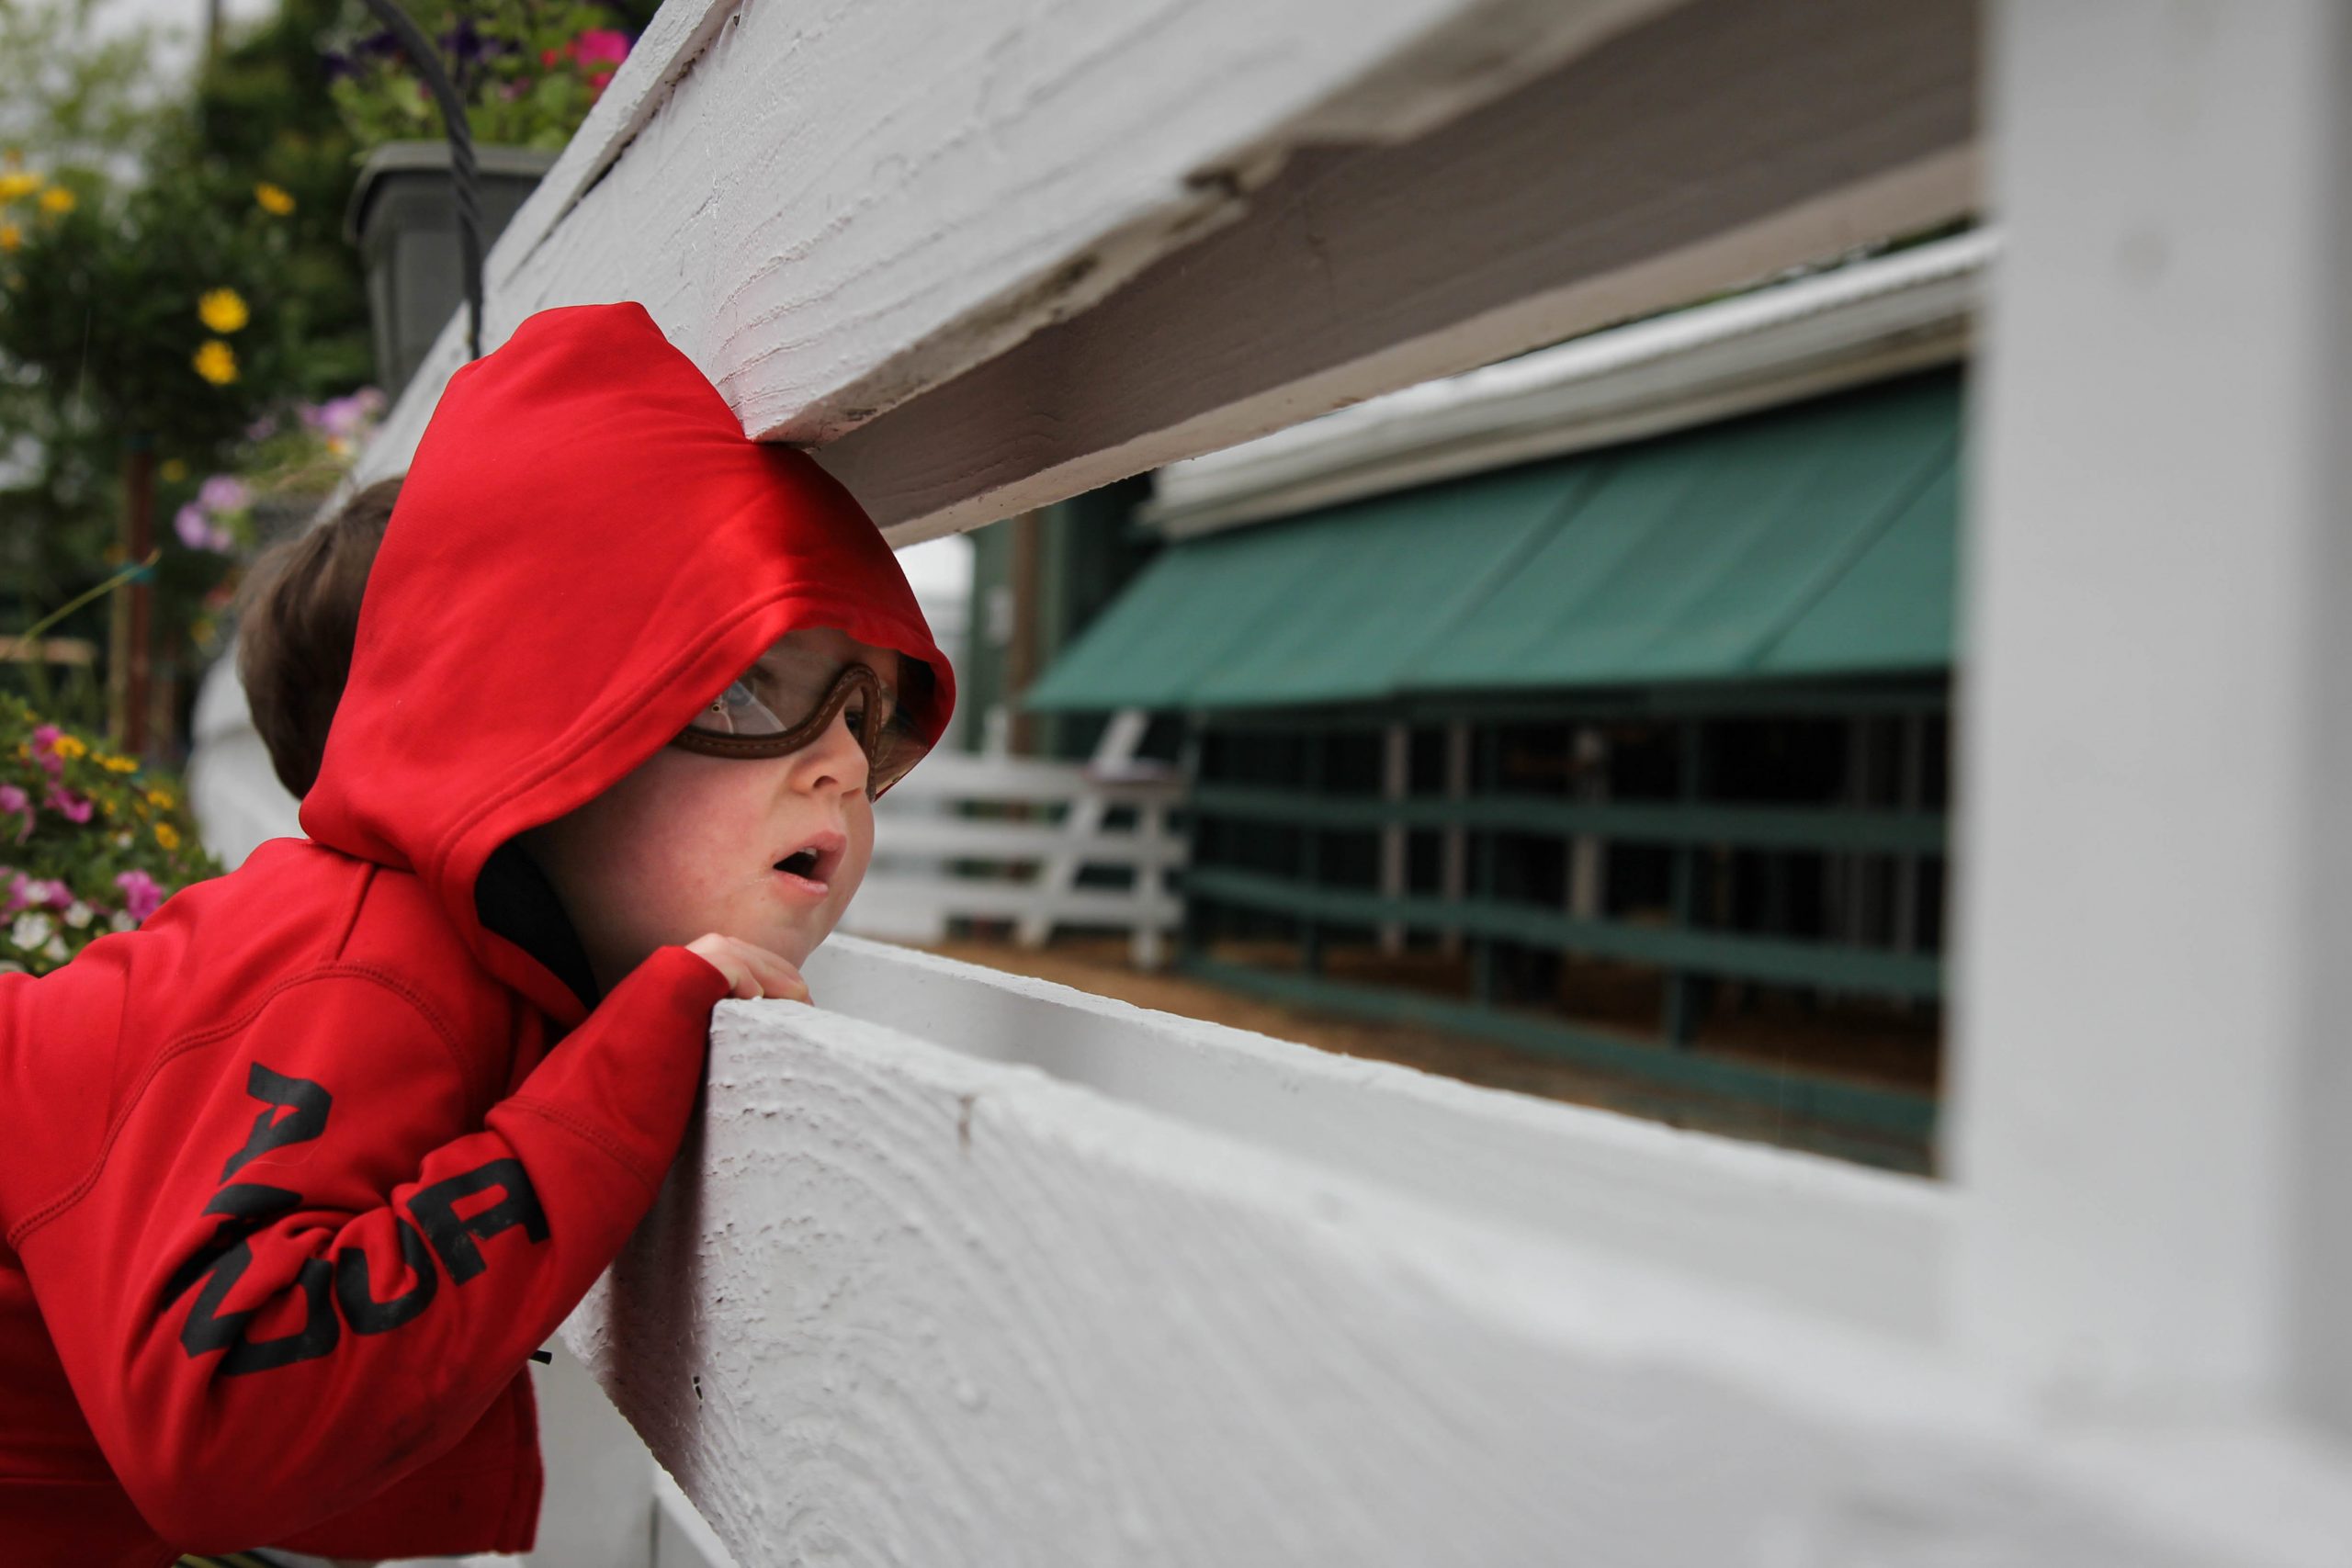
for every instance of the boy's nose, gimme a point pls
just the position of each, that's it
(834, 760)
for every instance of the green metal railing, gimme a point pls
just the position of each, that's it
(1688, 955)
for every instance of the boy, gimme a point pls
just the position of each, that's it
(300, 1172)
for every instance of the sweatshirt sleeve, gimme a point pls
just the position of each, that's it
(310, 1260)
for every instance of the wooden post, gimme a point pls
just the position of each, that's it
(1453, 859)
(1310, 855)
(1395, 783)
(1191, 939)
(2153, 1075)
(1485, 875)
(1911, 785)
(1147, 949)
(135, 617)
(1683, 994)
(1587, 889)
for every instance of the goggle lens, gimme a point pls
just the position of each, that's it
(791, 697)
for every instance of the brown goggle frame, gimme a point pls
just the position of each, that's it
(870, 735)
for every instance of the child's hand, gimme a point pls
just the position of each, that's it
(753, 972)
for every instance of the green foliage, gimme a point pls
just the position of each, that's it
(262, 110)
(103, 302)
(527, 71)
(100, 305)
(89, 842)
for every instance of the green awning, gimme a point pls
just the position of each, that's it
(1810, 541)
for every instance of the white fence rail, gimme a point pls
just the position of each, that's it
(935, 862)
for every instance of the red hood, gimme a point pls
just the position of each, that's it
(586, 548)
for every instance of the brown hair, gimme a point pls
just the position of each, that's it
(298, 615)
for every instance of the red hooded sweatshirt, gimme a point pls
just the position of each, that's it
(296, 1175)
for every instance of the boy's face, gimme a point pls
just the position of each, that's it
(689, 843)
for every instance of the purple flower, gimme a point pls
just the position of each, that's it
(462, 41)
(72, 806)
(140, 895)
(334, 65)
(192, 525)
(348, 416)
(223, 492)
(54, 894)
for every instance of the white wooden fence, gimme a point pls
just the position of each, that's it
(964, 1269)
(936, 861)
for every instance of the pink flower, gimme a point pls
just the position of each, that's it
(192, 526)
(45, 737)
(600, 81)
(54, 894)
(601, 46)
(343, 416)
(140, 895)
(223, 492)
(19, 893)
(74, 806)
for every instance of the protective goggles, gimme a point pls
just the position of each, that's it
(791, 696)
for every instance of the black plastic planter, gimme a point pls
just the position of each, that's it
(403, 218)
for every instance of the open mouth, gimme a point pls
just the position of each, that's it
(816, 861)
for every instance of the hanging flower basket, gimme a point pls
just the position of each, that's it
(403, 218)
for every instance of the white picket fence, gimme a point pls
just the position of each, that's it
(936, 862)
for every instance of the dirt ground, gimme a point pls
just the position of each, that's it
(1885, 1046)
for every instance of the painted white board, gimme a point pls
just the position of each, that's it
(899, 1305)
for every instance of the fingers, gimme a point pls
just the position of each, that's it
(753, 972)
(776, 975)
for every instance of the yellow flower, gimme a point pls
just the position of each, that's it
(172, 472)
(216, 363)
(159, 797)
(167, 835)
(223, 310)
(115, 764)
(19, 185)
(273, 199)
(57, 199)
(71, 748)
(11, 237)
